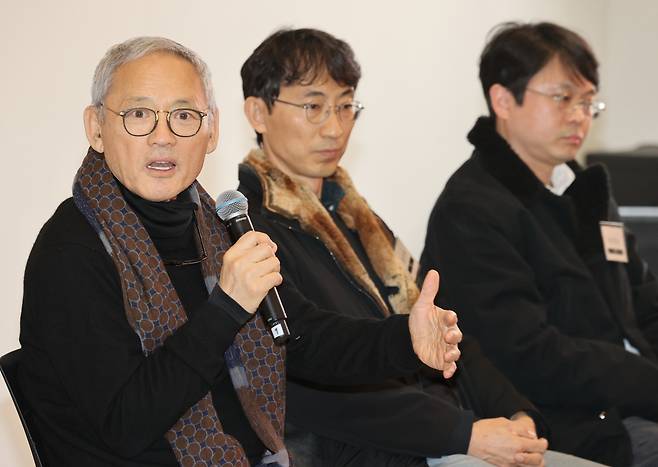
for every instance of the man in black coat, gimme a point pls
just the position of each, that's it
(299, 88)
(556, 294)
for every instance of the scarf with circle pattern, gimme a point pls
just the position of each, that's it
(154, 311)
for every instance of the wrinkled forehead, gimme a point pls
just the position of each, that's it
(155, 75)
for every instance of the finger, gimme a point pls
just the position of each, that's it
(272, 279)
(523, 431)
(430, 287)
(258, 253)
(449, 370)
(523, 425)
(263, 284)
(530, 434)
(449, 317)
(452, 355)
(453, 335)
(264, 267)
(253, 238)
(528, 459)
(534, 445)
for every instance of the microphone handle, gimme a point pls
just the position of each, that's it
(271, 309)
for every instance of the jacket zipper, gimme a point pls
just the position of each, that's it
(336, 262)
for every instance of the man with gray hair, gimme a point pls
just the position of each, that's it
(141, 345)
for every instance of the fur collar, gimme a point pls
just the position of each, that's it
(294, 201)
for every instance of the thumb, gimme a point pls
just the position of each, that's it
(430, 287)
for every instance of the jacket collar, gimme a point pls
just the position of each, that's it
(500, 161)
(590, 190)
(578, 210)
(293, 201)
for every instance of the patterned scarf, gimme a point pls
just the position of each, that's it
(154, 311)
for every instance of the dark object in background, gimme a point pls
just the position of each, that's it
(634, 179)
(9, 369)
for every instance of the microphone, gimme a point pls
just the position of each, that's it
(231, 208)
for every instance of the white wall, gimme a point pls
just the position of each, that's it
(419, 61)
(630, 71)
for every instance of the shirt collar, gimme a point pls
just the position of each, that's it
(332, 194)
(561, 179)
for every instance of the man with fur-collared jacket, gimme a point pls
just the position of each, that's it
(299, 88)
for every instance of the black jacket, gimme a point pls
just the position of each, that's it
(412, 416)
(526, 271)
(98, 401)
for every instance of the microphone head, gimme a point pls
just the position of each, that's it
(231, 203)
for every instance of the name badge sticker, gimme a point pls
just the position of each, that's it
(614, 241)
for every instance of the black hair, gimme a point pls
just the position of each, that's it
(515, 52)
(297, 56)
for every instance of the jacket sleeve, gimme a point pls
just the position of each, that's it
(399, 418)
(644, 289)
(349, 364)
(330, 348)
(498, 301)
(485, 390)
(74, 318)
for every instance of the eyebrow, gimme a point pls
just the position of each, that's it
(567, 85)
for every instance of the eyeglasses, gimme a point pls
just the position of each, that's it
(565, 103)
(187, 262)
(141, 121)
(317, 113)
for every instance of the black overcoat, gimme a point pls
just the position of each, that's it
(525, 271)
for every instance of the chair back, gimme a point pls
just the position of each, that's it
(9, 369)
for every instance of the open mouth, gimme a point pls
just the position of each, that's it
(161, 165)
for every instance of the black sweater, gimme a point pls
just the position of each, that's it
(97, 400)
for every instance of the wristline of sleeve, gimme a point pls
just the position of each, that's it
(402, 356)
(202, 341)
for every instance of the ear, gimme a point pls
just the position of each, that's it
(256, 111)
(214, 132)
(93, 128)
(502, 101)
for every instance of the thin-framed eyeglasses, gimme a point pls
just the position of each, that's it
(565, 102)
(187, 262)
(318, 113)
(142, 121)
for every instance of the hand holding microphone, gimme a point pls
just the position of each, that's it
(250, 269)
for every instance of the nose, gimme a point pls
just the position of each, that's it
(332, 127)
(579, 112)
(162, 135)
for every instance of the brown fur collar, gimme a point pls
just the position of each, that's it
(289, 199)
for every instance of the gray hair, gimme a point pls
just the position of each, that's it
(136, 48)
